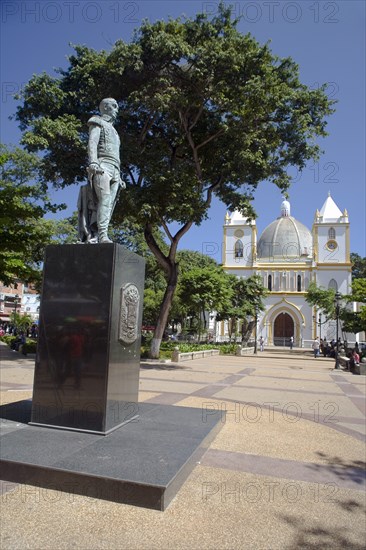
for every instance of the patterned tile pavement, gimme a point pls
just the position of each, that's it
(287, 469)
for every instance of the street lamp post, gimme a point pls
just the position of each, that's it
(16, 302)
(337, 301)
(320, 325)
(256, 330)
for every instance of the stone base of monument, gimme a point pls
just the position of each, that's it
(143, 463)
(87, 366)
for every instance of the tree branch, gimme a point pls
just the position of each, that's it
(131, 175)
(221, 131)
(148, 124)
(166, 229)
(154, 247)
(200, 110)
(211, 189)
(193, 147)
(182, 231)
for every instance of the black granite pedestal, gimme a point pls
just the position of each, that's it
(143, 463)
(88, 355)
(86, 382)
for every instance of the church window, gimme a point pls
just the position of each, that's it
(269, 282)
(299, 283)
(333, 285)
(239, 248)
(331, 233)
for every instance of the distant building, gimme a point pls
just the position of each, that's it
(19, 297)
(31, 301)
(10, 300)
(288, 256)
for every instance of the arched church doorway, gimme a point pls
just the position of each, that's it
(283, 329)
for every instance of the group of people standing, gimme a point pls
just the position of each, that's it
(327, 349)
(330, 349)
(12, 330)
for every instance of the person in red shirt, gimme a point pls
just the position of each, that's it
(355, 360)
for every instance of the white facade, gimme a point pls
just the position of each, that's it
(30, 305)
(288, 256)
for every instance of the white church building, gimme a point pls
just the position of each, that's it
(288, 256)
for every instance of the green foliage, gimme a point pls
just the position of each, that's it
(246, 302)
(203, 286)
(7, 338)
(356, 321)
(323, 299)
(167, 348)
(30, 345)
(228, 349)
(21, 320)
(190, 259)
(225, 349)
(359, 290)
(189, 262)
(152, 302)
(23, 203)
(205, 289)
(358, 266)
(131, 235)
(66, 230)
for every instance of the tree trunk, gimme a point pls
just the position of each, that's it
(247, 329)
(164, 312)
(171, 269)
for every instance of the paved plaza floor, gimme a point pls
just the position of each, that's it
(286, 471)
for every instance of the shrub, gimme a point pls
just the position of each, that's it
(225, 349)
(30, 346)
(228, 349)
(8, 339)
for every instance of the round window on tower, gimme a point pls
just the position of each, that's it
(239, 233)
(332, 245)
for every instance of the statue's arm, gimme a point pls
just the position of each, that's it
(94, 136)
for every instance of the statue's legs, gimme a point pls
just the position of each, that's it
(102, 190)
(106, 188)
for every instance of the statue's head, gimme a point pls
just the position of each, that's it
(109, 106)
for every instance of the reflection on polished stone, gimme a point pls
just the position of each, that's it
(87, 364)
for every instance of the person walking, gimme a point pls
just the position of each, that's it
(316, 347)
(291, 342)
(261, 343)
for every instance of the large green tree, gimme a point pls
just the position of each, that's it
(355, 321)
(188, 261)
(23, 204)
(202, 290)
(246, 303)
(324, 299)
(204, 110)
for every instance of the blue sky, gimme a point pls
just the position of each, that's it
(326, 39)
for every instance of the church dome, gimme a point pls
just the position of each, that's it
(285, 239)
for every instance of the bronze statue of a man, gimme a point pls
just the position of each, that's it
(104, 165)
